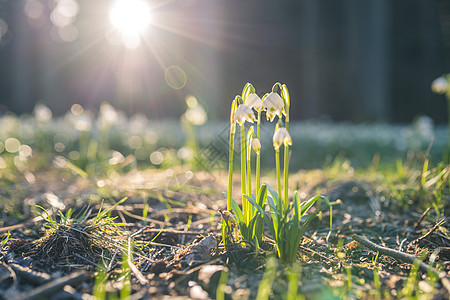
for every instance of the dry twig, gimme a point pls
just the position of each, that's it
(403, 257)
(417, 224)
(172, 231)
(431, 230)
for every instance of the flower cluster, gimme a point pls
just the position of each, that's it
(243, 108)
(272, 103)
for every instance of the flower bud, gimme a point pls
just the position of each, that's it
(256, 145)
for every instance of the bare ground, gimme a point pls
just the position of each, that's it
(180, 256)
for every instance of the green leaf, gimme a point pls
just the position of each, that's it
(84, 214)
(244, 230)
(256, 205)
(274, 223)
(254, 210)
(310, 218)
(250, 228)
(293, 232)
(306, 205)
(237, 211)
(48, 217)
(259, 227)
(327, 201)
(256, 242)
(272, 205)
(102, 214)
(264, 216)
(262, 195)
(282, 229)
(276, 198)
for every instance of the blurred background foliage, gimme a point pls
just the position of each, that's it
(342, 60)
(109, 143)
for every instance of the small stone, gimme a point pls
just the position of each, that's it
(196, 291)
(210, 275)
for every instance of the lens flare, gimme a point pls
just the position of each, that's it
(130, 17)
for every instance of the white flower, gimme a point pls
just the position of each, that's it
(439, 85)
(256, 145)
(281, 136)
(253, 101)
(244, 113)
(274, 105)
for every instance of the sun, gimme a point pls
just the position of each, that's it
(130, 17)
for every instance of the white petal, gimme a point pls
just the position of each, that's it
(281, 136)
(274, 100)
(244, 113)
(253, 101)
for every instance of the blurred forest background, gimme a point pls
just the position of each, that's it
(343, 60)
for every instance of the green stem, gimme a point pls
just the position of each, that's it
(286, 170)
(243, 174)
(277, 166)
(249, 180)
(286, 166)
(225, 227)
(258, 155)
(230, 166)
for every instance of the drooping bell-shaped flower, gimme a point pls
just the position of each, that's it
(274, 105)
(281, 136)
(440, 85)
(253, 101)
(244, 113)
